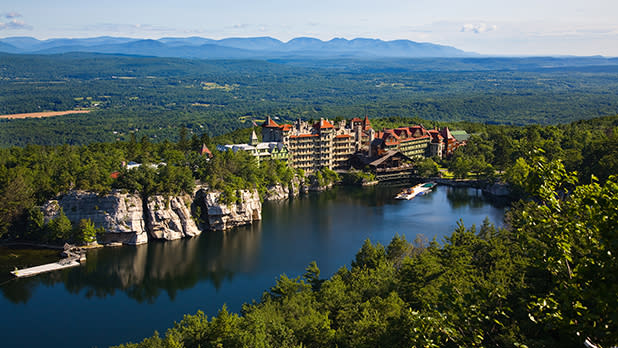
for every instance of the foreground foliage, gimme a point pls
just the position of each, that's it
(548, 280)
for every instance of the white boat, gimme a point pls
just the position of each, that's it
(416, 190)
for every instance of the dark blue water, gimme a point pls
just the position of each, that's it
(124, 294)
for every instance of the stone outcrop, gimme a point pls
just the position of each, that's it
(170, 218)
(120, 214)
(276, 193)
(498, 190)
(295, 187)
(127, 219)
(222, 216)
(280, 192)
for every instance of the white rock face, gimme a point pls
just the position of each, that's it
(120, 214)
(276, 193)
(170, 218)
(222, 217)
(280, 192)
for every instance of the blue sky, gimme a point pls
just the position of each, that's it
(514, 27)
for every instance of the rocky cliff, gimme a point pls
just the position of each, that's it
(170, 218)
(124, 216)
(222, 216)
(280, 192)
(120, 214)
(127, 219)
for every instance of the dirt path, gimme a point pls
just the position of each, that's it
(44, 114)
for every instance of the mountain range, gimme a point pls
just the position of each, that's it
(233, 48)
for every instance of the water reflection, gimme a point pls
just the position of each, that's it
(144, 272)
(328, 227)
(459, 197)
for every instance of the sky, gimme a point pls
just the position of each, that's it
(492, 27)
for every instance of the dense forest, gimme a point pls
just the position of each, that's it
(152, 97)
(31, 175)
(547, 280)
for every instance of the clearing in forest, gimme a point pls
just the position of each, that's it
(45, 114)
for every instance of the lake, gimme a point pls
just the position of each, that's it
(124, 294)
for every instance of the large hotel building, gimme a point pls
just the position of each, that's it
(325, 144)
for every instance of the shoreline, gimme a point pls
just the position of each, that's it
(473, 183)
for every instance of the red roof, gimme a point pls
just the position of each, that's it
(323, 124)
(390, 132)
(356, 119)
(446, 134)
(286, 127)
(343, 136)
(269, 123)
(205, 151)
(115, 175)
(435, 134)
(403, 131)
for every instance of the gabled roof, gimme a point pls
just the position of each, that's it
(269, 123)
(206, 151)
(388, 155)
(418, 131)
(435, 135)
(366, 123)
(286, 127)
(446, 134)
(403, 132)
(390, 133)
(322, 124)
(356, 119)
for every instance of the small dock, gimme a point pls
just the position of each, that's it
(32, 271)
(73, 257)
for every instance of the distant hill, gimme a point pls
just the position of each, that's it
(8, 48)
(235, 48)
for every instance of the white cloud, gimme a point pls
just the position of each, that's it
(123, 28)
(478, 28)
(14, 25)
(241, 26)
(12, 15)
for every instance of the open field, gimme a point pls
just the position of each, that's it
(44, 114)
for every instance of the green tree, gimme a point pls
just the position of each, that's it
(59, 228)
(572, 234)
(86, 232)
(427, 168)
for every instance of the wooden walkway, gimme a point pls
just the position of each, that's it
(32, 271)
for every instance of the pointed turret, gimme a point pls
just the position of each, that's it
(254, 139)
(366, 123)
(446, 134)
(205, 151)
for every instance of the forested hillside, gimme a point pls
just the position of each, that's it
(33, 174)
(152, 97)
(547, 280)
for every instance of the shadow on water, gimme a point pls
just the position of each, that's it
(143, 272)
(328, 227)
